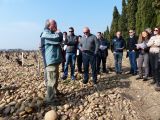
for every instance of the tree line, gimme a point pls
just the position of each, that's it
(137, 15)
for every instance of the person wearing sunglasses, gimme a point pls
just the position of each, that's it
(154, 55)
(132, 51)
(89, 46)
(71, 42)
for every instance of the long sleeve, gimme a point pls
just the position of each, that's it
(52, 38)
(150, 42)
(96, 45)
(112, 45)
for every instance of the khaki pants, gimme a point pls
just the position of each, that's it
(52, 81)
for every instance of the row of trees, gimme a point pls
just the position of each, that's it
(136, 14)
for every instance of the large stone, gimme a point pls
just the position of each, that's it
(2, 106)
(28, 109)
(7, 110)
(51, 115)
(66, 107)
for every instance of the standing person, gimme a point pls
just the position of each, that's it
(143, 57)
(149, 30)
(79, 57)
(89, 46)
(52, 54)
(64, 49)
(102, 53)
(117, 46)
(154, 55)
(71, 50)
(132, 53)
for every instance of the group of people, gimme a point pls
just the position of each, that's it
(143, 53)
(87, 49)
(91, 50)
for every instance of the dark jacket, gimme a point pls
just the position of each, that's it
(131, 43)
(72, 44)
(104, 43)
(118, 44)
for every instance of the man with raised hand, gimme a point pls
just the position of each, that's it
(51, 40)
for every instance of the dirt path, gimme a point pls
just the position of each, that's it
(143, 96)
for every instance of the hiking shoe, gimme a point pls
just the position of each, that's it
(153, 82)
(145, 78)
(73, 78)
(157, 88)
(139, 77)
(64, 77)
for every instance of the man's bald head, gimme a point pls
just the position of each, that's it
(51, 24)
(86, 31)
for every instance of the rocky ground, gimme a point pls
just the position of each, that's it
(118, 97)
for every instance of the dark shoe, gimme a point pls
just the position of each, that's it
(55, 102)
(80, 72)
(153, 82)
(134, 74)
(60, 94)
(64, 77)
(157, 88)
(145, 78)
(138, 78)
(120, 73)
(98, 73)
(73, 78)
(85, 81)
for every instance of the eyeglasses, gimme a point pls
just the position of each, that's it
(85, 32)
(155, 30)
(130, 32)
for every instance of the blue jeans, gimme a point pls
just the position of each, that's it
(118, 61)
(70, 59)
(133, 62)
(89, 58)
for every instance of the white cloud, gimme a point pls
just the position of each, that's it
(23, 35)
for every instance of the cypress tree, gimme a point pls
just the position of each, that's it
(131, 13)
(156, 6)
(122, 23)
(145, 16)
(107, 34)
(114, 25)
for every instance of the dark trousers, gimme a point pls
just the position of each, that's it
(101, 57)
(89, 58)
(79, 62)
(64, 59)
(133, 62)
(154, 57)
